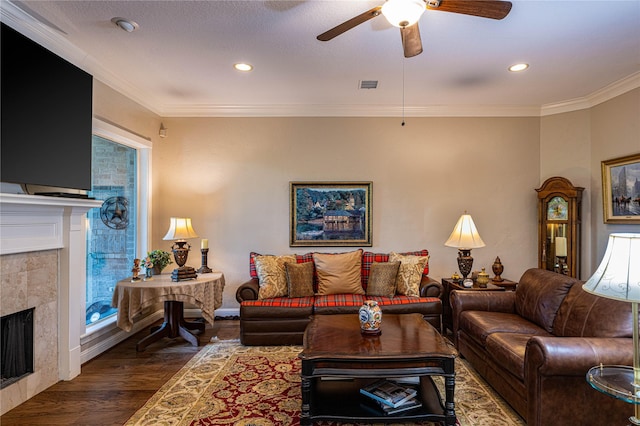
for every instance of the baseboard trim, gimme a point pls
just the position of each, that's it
(228, 312)
(119, 336)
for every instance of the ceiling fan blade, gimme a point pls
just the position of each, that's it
(494, 9)
(351, 23)
(411, 42)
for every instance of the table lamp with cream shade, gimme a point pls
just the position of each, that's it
(180, 230)
(618, 277)
(465, 237)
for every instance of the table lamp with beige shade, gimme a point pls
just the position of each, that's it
(180, 230)
(465, 237)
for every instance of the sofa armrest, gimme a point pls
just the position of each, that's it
(555, 379)
(248, 290)
(574, 356)
(430, 288)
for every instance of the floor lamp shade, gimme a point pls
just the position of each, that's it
(618, 277)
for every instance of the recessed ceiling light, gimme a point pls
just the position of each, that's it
(125, 24)
(243, 67)
(518, 67)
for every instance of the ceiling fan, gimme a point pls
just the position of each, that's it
(405, 14)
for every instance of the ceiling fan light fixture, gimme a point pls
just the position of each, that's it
(403, 13)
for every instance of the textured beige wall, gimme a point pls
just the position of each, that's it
(615, 132)
(231, 176)
(574, 144)
(565, 141)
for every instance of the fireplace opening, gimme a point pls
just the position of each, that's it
(17, 346)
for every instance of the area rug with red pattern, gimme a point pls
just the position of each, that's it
(227, 383)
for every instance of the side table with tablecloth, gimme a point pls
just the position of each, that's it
(131, 298)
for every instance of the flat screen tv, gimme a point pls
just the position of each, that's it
(46, 117)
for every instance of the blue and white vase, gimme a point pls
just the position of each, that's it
(370, 315)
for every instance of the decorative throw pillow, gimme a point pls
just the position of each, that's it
(382, 279)
(271, 275)
(409, 273)
(339, 273)
(368, 258)
(299, 279)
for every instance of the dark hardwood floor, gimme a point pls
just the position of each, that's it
(114, 385)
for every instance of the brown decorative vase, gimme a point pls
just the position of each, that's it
(156, 270)
(497, 269)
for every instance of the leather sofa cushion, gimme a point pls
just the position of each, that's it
(301, 307)
(338, 303)
(540, 294)
(508, 350)
(583, 314)
(277, 307)
(408, 305)
(350, 303)
(478, 325)
(257, 313)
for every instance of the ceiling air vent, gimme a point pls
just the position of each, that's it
(368, 84)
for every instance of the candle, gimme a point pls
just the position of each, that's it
(205, 243)
(561, 246)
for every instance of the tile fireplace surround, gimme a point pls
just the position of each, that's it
(42, 265)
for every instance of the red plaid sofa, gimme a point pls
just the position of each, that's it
(282, 320)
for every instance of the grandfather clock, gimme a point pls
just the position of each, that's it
(559, 218)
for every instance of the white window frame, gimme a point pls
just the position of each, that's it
(143, 147)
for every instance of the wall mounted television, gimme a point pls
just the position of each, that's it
(46, 118)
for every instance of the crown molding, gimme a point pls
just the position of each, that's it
(609, 92)
(348, 111)
(53, 39)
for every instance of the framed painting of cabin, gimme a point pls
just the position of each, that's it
(621, 190)
(330, 214)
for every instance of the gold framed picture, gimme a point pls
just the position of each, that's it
(621, 190)
(330, 214)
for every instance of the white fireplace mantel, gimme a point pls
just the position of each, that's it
(34, 223)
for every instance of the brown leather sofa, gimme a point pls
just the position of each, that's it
(282, 321)
(535, 346)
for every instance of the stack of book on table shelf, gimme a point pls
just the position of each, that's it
(392, 397)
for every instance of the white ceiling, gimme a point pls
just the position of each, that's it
(179, 62)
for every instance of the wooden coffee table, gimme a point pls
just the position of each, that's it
(337, 360)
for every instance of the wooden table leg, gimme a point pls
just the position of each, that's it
(174, 325)
(305, 412)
